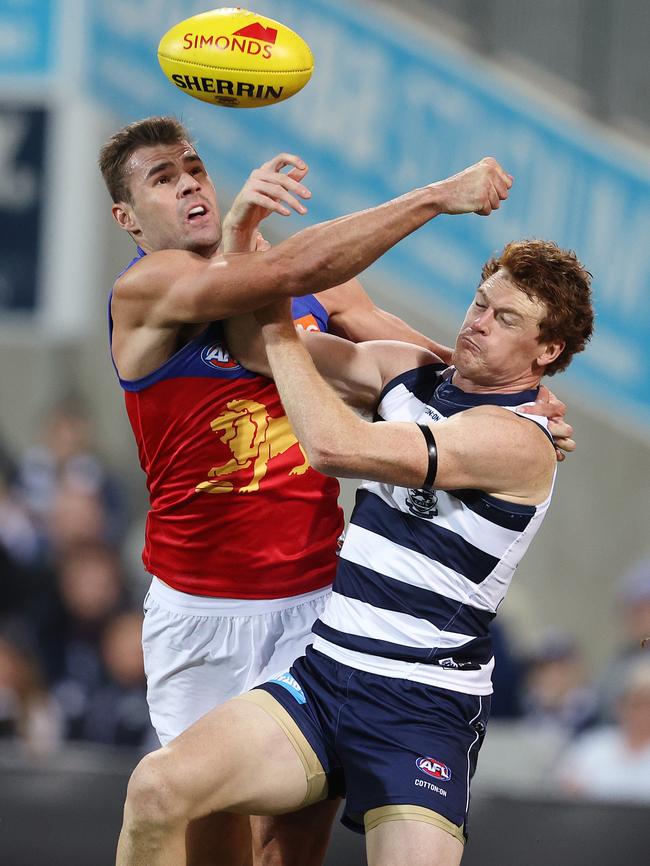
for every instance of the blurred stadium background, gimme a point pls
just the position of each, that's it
(403, 94)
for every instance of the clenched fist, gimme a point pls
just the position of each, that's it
(478, 189)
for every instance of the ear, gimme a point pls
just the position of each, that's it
(124, 217)
(550, 352)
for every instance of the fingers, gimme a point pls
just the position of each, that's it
(548, 405)
(559, 429)
(283, 159)
(563, 447)
(502, 180)
(261, 244)
(497, 185)
(275, 166)
(555, 406)
(274, 197)
(297, 174)
(270, 188)
(562, 437)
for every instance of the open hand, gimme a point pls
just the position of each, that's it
(267, 190)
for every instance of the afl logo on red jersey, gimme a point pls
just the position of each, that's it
(217, 355)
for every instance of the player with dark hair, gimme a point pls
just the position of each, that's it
(242, 533)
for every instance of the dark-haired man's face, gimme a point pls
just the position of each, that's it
(498, 345)
(173, 201)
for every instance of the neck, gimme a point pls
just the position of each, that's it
(207, 251)
(523, 383)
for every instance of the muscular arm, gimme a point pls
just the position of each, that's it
(352, 314)
(486, 448)
(172, 288)
(357, 371)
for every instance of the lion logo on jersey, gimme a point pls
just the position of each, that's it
(254, 437)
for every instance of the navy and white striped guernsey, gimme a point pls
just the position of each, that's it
(421, 574)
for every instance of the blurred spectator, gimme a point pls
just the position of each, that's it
(556, 691)
(633, 598)
(27, 711)
(75, 516)
(70, 623)
(18, 535)
(118, 713)
(63, 462)
(14, 584)
(613, 763)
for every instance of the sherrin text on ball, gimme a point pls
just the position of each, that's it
(235, 58)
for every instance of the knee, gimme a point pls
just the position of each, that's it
(154, 795)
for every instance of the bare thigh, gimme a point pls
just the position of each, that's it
(296, 839)
(239, 758)
(414, 842)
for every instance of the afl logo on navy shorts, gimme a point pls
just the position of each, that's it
(434, 768)
(217, 355)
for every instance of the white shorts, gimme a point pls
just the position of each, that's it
(201, 651)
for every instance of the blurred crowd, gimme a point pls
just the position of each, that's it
(71, 666)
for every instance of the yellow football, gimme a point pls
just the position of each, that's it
(235, 58)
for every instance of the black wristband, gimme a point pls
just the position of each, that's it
(433, 456)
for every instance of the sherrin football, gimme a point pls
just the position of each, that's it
(235, 58)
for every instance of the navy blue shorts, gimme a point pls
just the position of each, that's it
(384, 741)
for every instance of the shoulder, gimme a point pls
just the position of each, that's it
(526, 447)
(153, 272)
(509, 422)
(419, 372)
(395, 359)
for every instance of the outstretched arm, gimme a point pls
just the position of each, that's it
(486, 448)
(352, 314)
(172, 287)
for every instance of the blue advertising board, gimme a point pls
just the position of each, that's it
(27, 37)
(390, 108)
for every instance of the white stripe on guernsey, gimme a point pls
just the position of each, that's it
(371, 550)
(454, 516)
(351, 616)
(477, 682)
(399, 404)
(540, 419)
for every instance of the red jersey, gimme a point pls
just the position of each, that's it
(236, 509)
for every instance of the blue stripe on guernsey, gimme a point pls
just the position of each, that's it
(421, 382)
(509, 515)
(478, 650)
(440, 544)
(357, 581)
(451, 399)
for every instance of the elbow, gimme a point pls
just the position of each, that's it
(325, 458)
